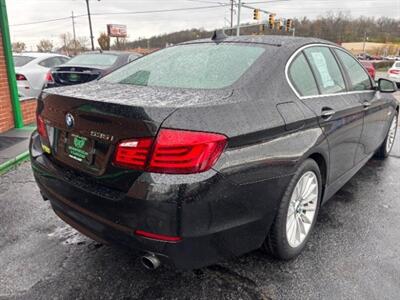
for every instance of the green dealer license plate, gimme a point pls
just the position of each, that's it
(79, 148)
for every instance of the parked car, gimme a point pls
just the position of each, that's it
(88, 66)
(31, 69)
(394, 73)
(364, 56)
(370, 68)
(211, 148)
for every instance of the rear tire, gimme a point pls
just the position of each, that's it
(297, 213)
(387, 145)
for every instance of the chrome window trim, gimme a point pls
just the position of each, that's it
(293, 56)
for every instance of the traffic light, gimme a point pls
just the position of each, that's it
(271, 21)
(256, 14)
(289, 24)
(281, 27)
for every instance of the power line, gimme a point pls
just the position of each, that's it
(218, 5)
(47, 21)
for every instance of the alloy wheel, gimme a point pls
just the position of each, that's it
(302, 208)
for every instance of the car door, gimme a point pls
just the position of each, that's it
(340, 114)
(376, 106)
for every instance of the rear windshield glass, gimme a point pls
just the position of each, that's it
(101, 60)
(198, 66)
(20, 60)
(397, 65)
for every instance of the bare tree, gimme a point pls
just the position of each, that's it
(44, 46)
(120, 44)
(18, 47)
(70, 46)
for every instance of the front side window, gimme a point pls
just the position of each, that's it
(327, 72)
(302, 78)
(358, 77)
(197, 66)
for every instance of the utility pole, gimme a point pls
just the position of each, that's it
(238, 17)
(90, 24)
(365, 38)
(73, 28)
(232, 6)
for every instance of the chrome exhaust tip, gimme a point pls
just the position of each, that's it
(150, 261)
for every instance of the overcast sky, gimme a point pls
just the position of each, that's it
(149, 24)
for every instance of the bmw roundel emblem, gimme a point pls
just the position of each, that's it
(69, 120)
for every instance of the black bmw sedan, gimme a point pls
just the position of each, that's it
(211, 148)
(87, 67)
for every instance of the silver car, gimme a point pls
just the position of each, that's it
(31, 70)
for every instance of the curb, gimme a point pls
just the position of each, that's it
(5, 167)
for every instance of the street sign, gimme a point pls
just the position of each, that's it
(115, 30)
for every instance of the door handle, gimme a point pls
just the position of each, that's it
(366, 104)
(327, 113)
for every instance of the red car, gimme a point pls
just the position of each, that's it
(370, 68)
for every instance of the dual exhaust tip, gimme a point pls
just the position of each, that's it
(150, 261)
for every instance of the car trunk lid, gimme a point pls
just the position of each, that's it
(86, 123)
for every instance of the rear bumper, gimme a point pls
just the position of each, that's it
(215, 218)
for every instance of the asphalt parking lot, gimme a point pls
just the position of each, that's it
(353, 253)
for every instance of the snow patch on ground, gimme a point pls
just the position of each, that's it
(68, 236)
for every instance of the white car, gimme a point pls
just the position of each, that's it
(394, 72)
(31, 70)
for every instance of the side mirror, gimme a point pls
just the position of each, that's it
(386, 86)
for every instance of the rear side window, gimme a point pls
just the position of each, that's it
(327, 72)
(302, 78)
(358, 77)
(50, 62)
(20, 60)
(197, 66)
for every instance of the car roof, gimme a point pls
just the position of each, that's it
(118, 53)
(38, 54)
(273, 40)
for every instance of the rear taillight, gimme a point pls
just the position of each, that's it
(173, 152)
(133, 153)
(49, 78)
(20, 77)
(183, 152)
(394, 71)
(41, 127)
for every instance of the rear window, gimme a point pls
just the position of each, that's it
(397, 65)
(100, 60)
(197, 66)
(20, 60)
